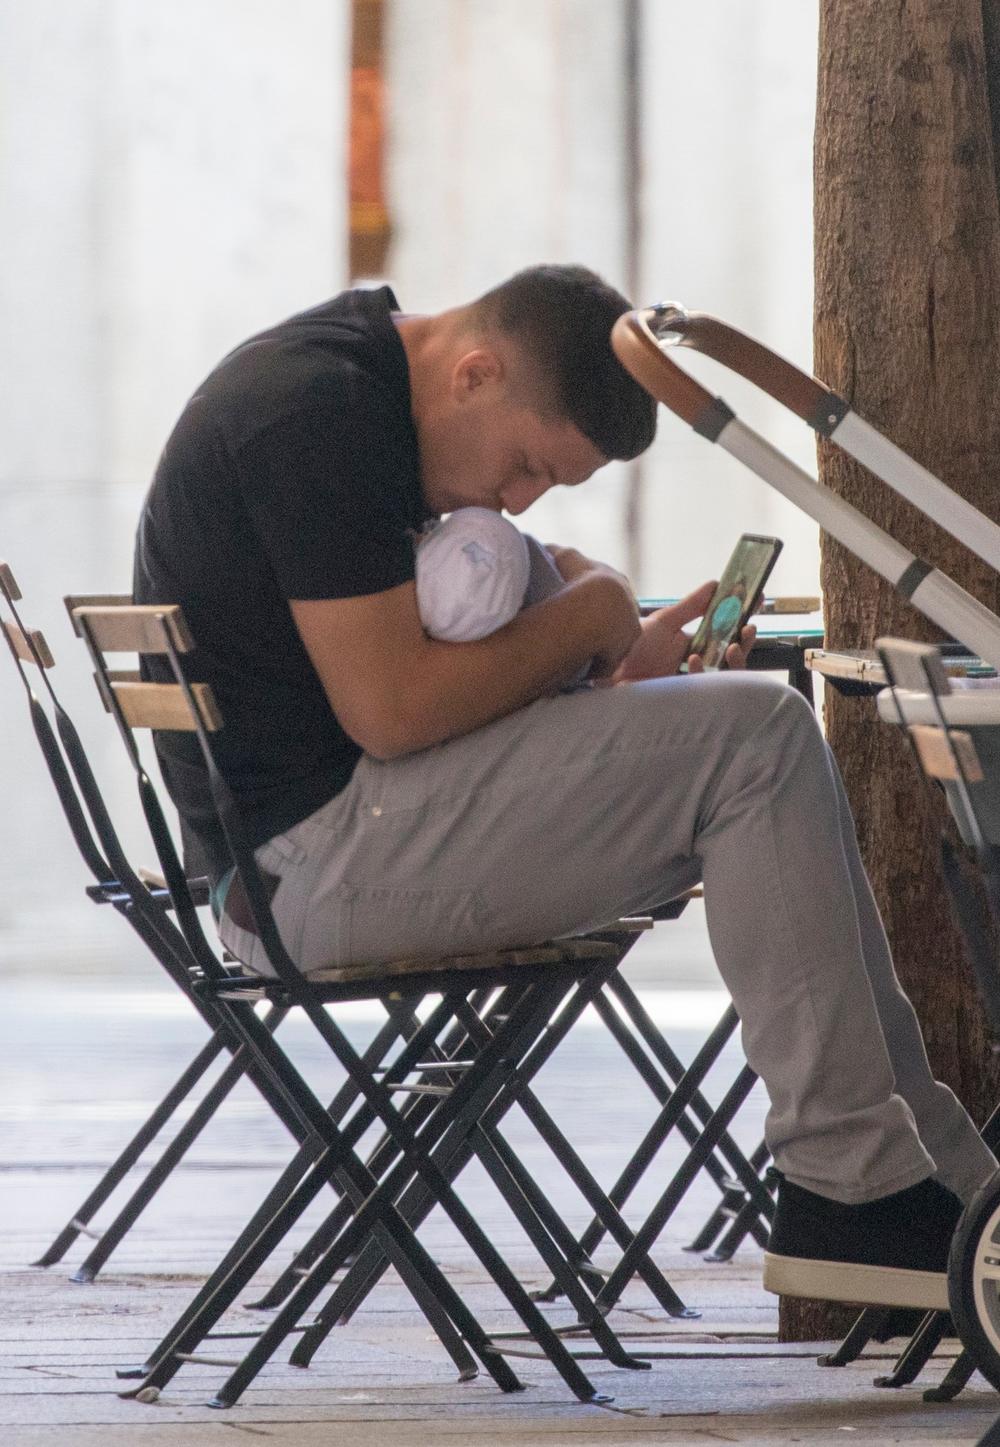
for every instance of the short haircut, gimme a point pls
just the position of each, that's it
(562, 316)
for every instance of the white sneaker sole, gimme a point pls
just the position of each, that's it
(850, 1282)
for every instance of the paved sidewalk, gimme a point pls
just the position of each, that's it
(383, 1378)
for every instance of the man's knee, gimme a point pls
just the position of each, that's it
(759, 699)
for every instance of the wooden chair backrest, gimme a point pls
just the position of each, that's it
(116, 626)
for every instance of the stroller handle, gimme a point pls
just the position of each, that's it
(639, 339)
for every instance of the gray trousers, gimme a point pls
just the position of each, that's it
(602, 802)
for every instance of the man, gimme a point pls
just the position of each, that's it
(412, 796)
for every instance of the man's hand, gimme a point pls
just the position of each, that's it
(663, 645)
(613, 606)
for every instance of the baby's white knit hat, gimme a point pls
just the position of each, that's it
(472, 572)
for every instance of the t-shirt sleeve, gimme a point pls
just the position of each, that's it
(329, 490)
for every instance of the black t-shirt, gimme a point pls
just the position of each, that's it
(292, 473)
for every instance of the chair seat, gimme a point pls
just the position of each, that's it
(562, 951)
(555, 952)
(550, 954)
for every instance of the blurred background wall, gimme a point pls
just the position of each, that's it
(174, 177)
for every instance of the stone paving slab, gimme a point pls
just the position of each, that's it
(385, 1379)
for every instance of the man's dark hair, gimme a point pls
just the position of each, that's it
(562, 316)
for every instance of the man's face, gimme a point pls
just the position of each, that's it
(491, 449)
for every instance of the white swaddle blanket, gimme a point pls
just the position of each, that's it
(476, 571)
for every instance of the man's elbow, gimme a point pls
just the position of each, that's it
(391, 736)
(385, 748)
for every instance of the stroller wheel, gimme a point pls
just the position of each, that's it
(974, 1280)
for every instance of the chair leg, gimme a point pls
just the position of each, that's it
(370, 1265)
(523, 1024)
(918, 1351)
(733, 1162)
(745, 1220)
(685, 1091)
(660, 1085)
(521, 1094)
(183, 1343)
(418, 1201)
(172, 1155)
(120, 1168)
(376, 1213)
(547, 1234)
(868, 1324)
(416, 1204)
(671, 1198)
(742, 1212)
(295, 1190)
(606, 1212)
(406, 1026)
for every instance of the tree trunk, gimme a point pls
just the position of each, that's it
(907, 328)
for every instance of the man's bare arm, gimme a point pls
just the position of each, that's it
(394, 690)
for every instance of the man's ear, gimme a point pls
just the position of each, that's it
(473, 371)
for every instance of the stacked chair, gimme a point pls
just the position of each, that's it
(438, 1080)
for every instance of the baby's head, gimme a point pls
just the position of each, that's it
(473, 571)
(476, 571)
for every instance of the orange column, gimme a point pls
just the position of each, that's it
(369, 217)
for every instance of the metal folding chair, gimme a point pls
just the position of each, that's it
(67, 764)
(141, 900)
(746, 1203)
(541, 981)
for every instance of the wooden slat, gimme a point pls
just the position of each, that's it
(560, 953)
(938, 753)
(163, 706)
(810, 603)
(22, 647)
(73, 601)
(136, 628)
(8, 584)
(116, 675)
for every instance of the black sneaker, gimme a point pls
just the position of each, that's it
(889, 1252)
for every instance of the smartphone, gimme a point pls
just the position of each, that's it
(733, 601)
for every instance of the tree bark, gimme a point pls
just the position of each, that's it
(907, 328)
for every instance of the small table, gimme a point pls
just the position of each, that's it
(786, 643)
(859, 670)
(850, 670)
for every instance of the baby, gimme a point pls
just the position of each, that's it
(475, 571)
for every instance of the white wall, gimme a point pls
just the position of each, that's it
(507, 134)
(729, 101)
(506, 131)
(171, 179)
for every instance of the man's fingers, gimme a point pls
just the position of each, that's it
(737, 653)
(693, 606)
(695, 663)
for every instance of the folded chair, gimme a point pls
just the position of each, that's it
(535, 983)
(142, 902)
(67, 764)
(746, 1204)
(952, 737)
